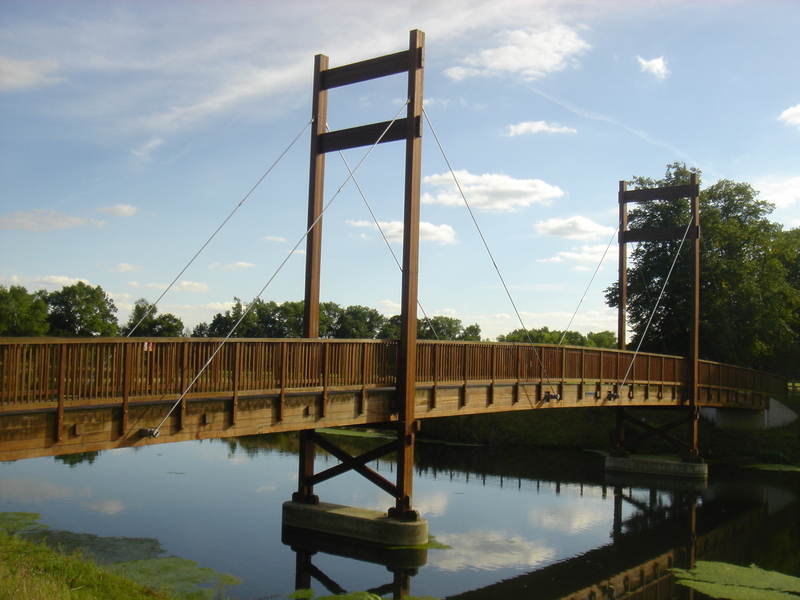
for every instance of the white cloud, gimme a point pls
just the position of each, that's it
(584, 254)
(232, 266)
(125, 268)
(538, 127)
(574, 228)
(791, 115)
(119, 210)
(26, 74)
(530, 54)
(274, 238)
(656, 66)
(393, 230)
(490, 192)
(183, 286)
(143, 152)
(782, 193)
(43, 220)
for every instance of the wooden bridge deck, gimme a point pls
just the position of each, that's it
(62, 396)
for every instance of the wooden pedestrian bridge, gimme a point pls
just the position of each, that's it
(62, 396)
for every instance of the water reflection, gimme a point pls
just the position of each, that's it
(514, 521)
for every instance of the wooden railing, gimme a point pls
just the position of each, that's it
(43, 372)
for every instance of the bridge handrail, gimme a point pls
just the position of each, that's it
(36, 372)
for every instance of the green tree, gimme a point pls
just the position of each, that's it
(147, 323)
(21, 313)
(390, 330)
(81, 310)
(446, 328)
(750, 300)
(358, 323)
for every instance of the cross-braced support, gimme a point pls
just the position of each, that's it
(322, 142)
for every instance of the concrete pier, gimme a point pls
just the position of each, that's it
(360, 524)
(661, 468)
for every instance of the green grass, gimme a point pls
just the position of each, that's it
(29, 570)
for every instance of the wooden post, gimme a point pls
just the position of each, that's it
(407, 367)
(694, 349)
(622, 309)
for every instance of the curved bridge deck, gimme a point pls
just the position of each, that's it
(63, 396)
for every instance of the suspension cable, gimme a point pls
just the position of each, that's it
(385, 239)
(489, 252)
(154, 432)
(658, 300)
(586, 291)
(152, 307)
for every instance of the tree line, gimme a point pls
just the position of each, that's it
(81, 310)
(750, 294)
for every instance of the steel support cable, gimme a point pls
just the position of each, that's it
(213, 235)
(658, 301)
(154, 432)
(586, 291)
(489, 252)
(385, 239)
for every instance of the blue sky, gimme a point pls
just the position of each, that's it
(130, 130)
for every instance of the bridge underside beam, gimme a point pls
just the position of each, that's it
(103, 426)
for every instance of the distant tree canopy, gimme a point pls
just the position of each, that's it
(750, 278)
(267, 319)
(601, 339)
(21, 313)
(145, 322)
(81, 310)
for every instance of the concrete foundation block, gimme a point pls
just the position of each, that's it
(360, 524)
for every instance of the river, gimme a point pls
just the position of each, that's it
(502, 520)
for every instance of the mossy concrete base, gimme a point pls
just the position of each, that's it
(662, 468)
(360, 524)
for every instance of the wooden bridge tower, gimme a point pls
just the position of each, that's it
(408, 129)
(692, 233)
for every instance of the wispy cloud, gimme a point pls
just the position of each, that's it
(782, 193)
(655, 66)
(126, 268)
(47, 281)
(538, 127)
(183, 286)
(529, 54)
(490, 192)
(393, 230)
(585, 254)
(119, 210)
(40, 220)
(573, 228)
(791, 116)
(232, 266)
(17, 75)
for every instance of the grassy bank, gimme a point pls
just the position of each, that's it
(32, 570)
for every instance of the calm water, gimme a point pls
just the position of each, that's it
(504, 516)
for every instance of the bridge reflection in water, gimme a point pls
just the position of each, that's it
(668, 528)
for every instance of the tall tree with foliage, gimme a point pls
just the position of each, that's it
(750, 300)
(81, 310)
(543, 335)
(148, 323)
(22, 314)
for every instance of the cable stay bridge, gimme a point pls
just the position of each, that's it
(62, 396)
